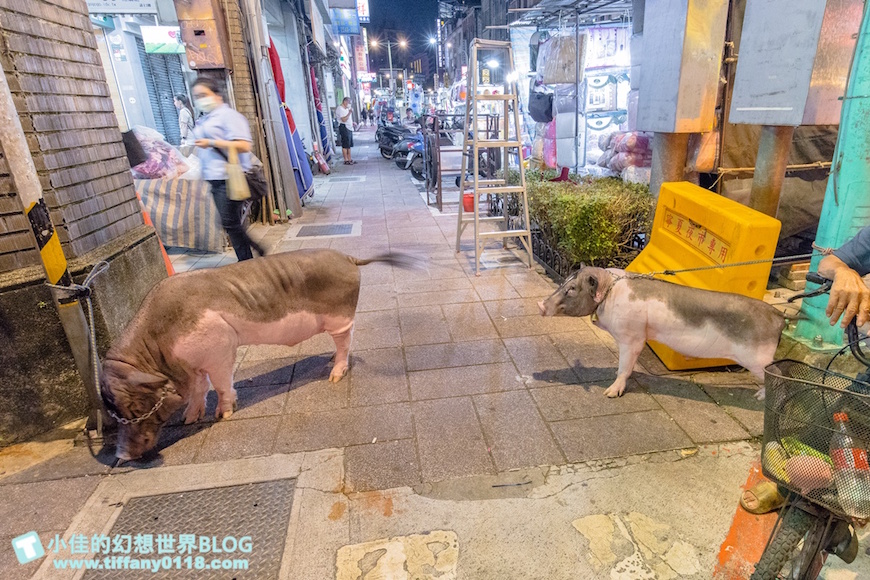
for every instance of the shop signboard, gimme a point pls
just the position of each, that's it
(359, 53)
(345, 21)
(122, 6)
(362, 9)
(344, 61)
(162, 39)
(366, 77)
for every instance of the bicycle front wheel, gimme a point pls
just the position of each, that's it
(783, 547)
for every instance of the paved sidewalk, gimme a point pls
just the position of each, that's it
(459, 391)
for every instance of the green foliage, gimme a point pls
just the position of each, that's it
(593, 221)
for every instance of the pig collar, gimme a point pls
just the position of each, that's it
(616, 279)
(125, 421)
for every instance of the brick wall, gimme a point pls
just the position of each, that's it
(243, 82)
(49, 54)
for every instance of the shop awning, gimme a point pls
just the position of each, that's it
(547, 12)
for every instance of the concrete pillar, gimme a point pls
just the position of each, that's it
(670, 151)
(773, 147)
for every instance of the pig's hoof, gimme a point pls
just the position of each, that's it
(227, 414)
(337, 374)
(760, 394)
(614, 392)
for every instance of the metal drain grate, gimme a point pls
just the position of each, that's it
(258, 510)
(327, 230)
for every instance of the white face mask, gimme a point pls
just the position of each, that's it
(206, 104)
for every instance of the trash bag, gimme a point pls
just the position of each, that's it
(163, 161)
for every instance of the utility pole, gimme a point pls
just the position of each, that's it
(392, 76)
(13, 145)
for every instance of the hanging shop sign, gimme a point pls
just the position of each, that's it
(362, 9)
(359, 53)
(366, 77)
(162, 39)
(345, 21)
(122, 6)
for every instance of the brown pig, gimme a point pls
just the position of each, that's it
(189, 326)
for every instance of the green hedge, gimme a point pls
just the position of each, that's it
(594, 221)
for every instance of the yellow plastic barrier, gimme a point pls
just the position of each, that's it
(694, 227)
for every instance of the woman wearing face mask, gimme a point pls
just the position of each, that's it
(218, 129)
(185, 119)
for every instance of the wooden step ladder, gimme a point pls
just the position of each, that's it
(475, 143)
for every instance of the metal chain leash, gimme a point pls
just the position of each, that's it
(83, 290)
(157, 405)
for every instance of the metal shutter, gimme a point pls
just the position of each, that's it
(164, 78)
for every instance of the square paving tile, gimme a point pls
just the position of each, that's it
(376, 297)
(469, 380)
(76, 462)
(740, 402)
(310, 390)
(259, 401)
(494, 289)
(43, 505)
(531, 285)
(500, 309)
(468, 321)
(455, 354)
(343, 427)
(537, 324)
(444, 297)
(423, 325)
(382, 465)
(587, 355)
(375, 319)
(376, 338)
(535, 354)
(618, 435)
(378, 377)
(517, 435)
(693, 410)
(562, 402)
(437, 285)
(318, 344)
(450, 440)
(257, 373)
(235, 439)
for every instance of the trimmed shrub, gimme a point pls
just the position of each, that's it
(596, 221)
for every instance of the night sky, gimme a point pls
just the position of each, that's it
(413, 19)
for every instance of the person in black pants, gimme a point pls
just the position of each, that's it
(217, 130)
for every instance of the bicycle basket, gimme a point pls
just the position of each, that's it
(799, 409)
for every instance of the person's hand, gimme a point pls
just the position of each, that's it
(850, 297)
(202, 142)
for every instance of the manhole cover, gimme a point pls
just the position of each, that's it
(348, 179)
(247, 522)
(327, 230)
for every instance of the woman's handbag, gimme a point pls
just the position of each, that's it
(255, 178)
(237, 183)
(541, 106)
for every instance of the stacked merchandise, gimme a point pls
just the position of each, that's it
(628, 153)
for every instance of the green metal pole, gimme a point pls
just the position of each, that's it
(846, 208)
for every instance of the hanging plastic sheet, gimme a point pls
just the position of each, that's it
(298, 157)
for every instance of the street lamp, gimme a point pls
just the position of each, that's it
(402, 44)
(492, 63)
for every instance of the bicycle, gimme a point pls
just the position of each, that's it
(800, 404)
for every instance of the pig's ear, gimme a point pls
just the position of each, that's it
(597, 290)
(131, 374)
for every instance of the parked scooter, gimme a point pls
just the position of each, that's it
(402, 149)
(390, 135)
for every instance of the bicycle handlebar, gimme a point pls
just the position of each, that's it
(852, 336)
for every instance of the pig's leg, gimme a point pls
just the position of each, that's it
(342, 340)
(222, 380)
(196, 398)
(629, 350)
